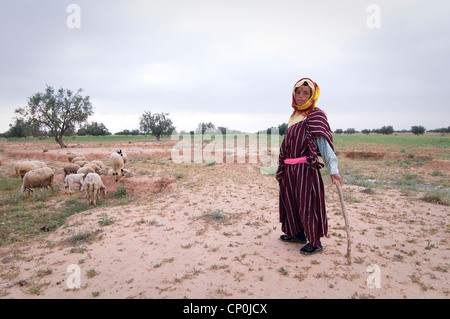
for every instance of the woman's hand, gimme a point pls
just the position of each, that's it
(336, 177)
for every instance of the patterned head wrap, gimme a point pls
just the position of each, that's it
(315, 92)
(300, 111)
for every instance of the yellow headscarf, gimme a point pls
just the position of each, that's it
(300, 111)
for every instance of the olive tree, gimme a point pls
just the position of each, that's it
(94, 129)
(418, 130)
(156, 124)
(58, 112)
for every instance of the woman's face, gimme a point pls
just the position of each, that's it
(302, 95)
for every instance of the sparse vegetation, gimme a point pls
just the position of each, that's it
(283, 271)
(436, 197)
(121, 191)
(106, 220)
(222, 221)
(91, 273)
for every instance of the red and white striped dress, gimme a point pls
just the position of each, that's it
(302, 194)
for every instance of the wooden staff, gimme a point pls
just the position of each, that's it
(344, 212)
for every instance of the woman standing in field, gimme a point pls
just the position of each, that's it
(302, 196)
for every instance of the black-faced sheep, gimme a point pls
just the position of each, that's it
(93, 185)
(38, 178)
(124, 157)
(117, 165)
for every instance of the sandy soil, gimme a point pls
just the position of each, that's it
(214, 233)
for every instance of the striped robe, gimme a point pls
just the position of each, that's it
(302, 195)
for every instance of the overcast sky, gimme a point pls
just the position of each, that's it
(231, 62)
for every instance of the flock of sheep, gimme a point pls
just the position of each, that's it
(36, 174)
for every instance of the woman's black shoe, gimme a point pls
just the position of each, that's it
(309, 249)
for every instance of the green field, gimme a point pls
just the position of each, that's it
(403, 140)
(341, 140)
(72, 139)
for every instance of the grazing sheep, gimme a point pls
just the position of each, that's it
(78, 158)
(96, 168)
(85, 170)
(94, 184)
(40, 177)
(99, 163)
(125, 172)
(21, 168)
(124, 157)
(71, 169)
(72, 155)
(117, 164)
(72, 179)
(81, 163)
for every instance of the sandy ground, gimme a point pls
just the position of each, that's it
(214, 233)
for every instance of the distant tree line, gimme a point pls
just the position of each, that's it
(210, 128)
(387, 130)
(442, 130)
(58, 113)
(94, 129)
(23, 129)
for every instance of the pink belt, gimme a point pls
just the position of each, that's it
(292, 161)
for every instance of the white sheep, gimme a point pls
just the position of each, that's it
(70, 169)
(93, 185)
(117, 165)
(78, 158)
(124, 157)
(73, 179)
(72, 155)
(81, 163)
(38, 178)
(21, 168)
(99, 163)
(96, 168)
(85, 170)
